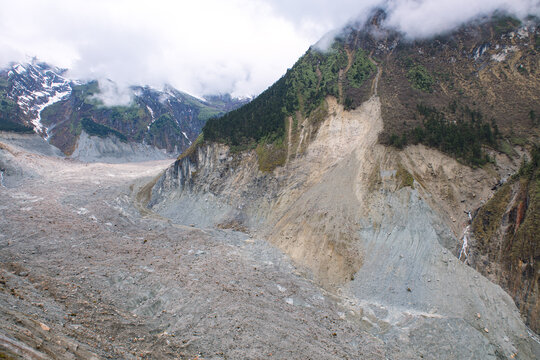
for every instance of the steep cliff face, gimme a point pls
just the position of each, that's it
(362, 218)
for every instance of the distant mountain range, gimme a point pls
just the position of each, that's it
(38, 97)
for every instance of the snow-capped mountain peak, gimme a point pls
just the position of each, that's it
(36, 86)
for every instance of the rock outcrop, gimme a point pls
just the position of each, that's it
(111, 149)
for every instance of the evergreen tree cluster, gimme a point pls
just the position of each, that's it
(303, 88)
(420, 78)
(463, 137)
(361, 69)
(261, 117)
(93, 128)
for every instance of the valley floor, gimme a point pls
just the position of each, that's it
(84, 275)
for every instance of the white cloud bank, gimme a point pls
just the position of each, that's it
(204, 46)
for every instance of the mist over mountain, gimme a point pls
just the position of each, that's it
(240, 48)
(39, 97)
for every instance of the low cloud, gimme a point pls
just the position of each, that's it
(421, 19)
(112, 93)
(205, 46)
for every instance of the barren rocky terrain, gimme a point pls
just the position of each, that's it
(327, 219)
(343, 253)
(84, 275)
(382, 229)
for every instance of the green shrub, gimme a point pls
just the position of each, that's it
(361, 69)
(93, 128)
(271, 154)
(404, 178)
(420, 78)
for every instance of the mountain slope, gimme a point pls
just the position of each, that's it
(345, 212)
(30, 88)
(472, 94)
(476, 86)
(363, 164)
(38, 95)
(505, 243)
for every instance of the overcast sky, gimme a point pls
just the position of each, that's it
(204, 46)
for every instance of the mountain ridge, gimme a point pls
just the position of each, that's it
(38, 95)
(477, 61)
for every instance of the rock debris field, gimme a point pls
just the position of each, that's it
(88, 272)
(83, 275)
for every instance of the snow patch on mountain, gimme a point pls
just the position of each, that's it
(36, 86)
(38, 126)
(152, 115)
(183, 133)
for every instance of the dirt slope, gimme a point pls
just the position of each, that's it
(364, 219)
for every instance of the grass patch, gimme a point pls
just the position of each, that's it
(404, 178)
(206, 113)
(420, 78)
(190, 152)
(516, 140)
(507, 149)
(271, 154)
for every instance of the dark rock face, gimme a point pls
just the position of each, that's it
(505, 246)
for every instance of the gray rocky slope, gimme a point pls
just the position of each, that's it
(111, 149)
(345, 211)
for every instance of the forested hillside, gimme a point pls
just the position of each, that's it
(462, 93)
